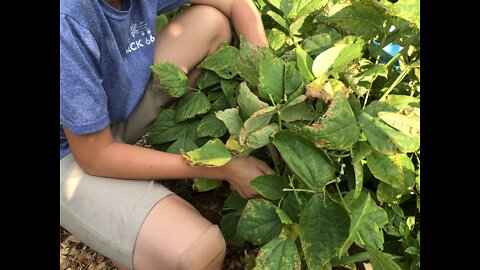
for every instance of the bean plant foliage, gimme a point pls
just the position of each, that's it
(337, 119)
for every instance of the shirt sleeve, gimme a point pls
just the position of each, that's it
(83, 101)
(167, 5)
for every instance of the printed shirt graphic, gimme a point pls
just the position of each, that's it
(105, 59)
(140, 36)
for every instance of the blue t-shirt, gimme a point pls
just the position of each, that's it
(105, 59)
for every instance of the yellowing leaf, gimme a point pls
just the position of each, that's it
(408, 124)
(235, 147)
(408, 9)
(325, 89)
(278, 254)
(212, 154)
(381, 136)
(259, 222)
(325, 60)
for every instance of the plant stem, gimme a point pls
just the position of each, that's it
(341, 197)
(238, 79)
(397, 81)
(294, 191)
(359, 257)
(418, 159)
(368, 91)
(366, 98)
(271, 150)
(381, 44)
(360, 239)
(338, 155)
(412, 92)
(278, 113)
(299, 189)
(279, 120)
(280, 202)
(330, 182)
(395, 57)
(271, 99)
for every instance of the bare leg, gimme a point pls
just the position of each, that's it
(191, 36)
(169, 238)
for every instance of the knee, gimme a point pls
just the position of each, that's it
(204, 253)
(216, 22)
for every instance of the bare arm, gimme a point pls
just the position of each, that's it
(98, 154)
(244, 16)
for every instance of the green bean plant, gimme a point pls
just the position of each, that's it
(334, 115)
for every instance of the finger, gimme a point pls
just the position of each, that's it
(243, 194)
(251, 192)
(265, 168)
(259, 196)
(254, 195)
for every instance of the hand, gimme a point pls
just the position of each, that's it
(240, 171)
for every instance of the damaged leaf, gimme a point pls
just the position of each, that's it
(259, 222)
(324, 227)
(381, 136)
(261, 136)
(212, 154)
(337, 129)
(324, 89)
(259, 119)
(248, 61)
(248, 102)
(231, 119)
(278, 254)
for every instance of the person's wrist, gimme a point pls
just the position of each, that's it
(222, 171)
(215, 173)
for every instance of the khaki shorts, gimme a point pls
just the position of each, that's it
(106, 214)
